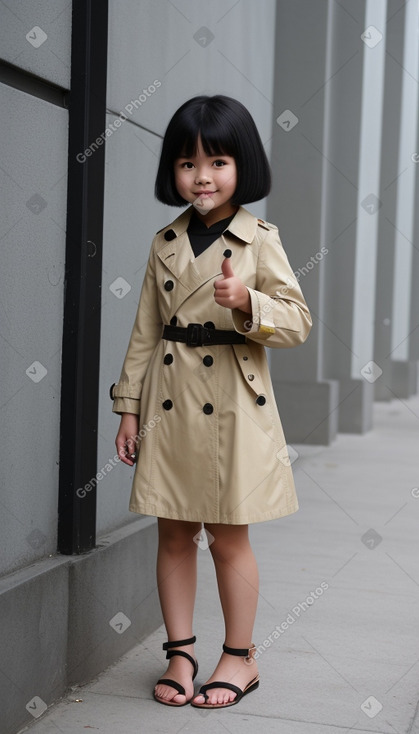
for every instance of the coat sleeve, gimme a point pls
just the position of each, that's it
(280, 317)
(146, 333)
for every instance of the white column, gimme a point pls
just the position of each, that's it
(306, 401)
(368, 188)
(387, 213)
(404, 372)
(356, 284)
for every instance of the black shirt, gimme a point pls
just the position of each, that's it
(201, 236)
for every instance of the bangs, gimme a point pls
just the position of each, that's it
(216, 140)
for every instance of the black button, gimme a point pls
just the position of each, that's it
(168, 286)
(227, 253)
(208, 360)
(111, 391)
(168, 358)
(209, 325)
(173, 321)
(245, 358)
(167, 405)
(169, 235)
(261, 400)
(208, 409)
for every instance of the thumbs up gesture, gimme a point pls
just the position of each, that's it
(229, 291)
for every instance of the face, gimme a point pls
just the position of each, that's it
(208, 182)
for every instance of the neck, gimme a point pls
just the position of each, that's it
(215, 215)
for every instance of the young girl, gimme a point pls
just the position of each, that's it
(199, 416)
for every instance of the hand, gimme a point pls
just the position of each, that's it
(230, 292)
(126, 440)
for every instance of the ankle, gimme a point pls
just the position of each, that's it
(245, 653)
(190, 649)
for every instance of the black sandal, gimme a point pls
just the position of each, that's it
(172, 683)
(247, 653)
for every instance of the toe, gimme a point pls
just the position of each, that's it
(199, 698)
(179, 698)
(228, 697)
(166, 693)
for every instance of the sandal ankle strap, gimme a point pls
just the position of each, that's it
(243, 652)
(179, 643)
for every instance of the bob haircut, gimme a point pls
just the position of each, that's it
(226, 127)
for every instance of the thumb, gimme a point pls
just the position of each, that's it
(227, 268)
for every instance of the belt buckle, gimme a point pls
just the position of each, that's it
(194, 333)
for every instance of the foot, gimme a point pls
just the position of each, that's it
(231, 669)
(179, 669)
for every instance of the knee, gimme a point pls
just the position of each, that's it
(226, 549)
(177, 538)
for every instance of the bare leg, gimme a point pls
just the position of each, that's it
(176, 579)
(238, 585)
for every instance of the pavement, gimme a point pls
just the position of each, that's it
(337, 622)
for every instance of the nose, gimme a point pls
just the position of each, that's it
(202, 175)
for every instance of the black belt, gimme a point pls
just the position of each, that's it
(196, 335)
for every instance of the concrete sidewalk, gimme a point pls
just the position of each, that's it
(337, 623)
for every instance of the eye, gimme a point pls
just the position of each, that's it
(219, 163)
(187, 164)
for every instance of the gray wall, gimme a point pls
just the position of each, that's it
(32, 242)
(44, 52)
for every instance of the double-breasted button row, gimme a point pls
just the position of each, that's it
(207, 360)
(207, 409)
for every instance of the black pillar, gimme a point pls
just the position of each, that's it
(83, 271)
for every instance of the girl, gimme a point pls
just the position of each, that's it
(198, 411)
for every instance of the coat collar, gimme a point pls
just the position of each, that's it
(243, 226)
(174, 251)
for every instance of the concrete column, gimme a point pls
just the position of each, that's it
(352, 204)
(414, 302)
(388, 197)
(307, 402)
(404, 372)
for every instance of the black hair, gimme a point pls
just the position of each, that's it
(226, 127)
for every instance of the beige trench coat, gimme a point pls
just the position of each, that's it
(229, 465)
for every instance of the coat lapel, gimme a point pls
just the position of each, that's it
(177, 256)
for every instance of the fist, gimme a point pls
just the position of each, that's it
(229, 291)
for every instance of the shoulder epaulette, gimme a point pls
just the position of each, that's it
(265, 225)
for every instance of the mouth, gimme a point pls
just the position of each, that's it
(204, 193)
